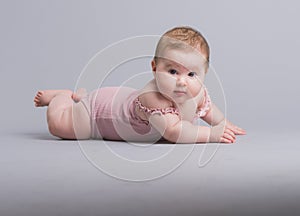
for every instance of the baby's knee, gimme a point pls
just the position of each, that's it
(54, 128)
(61, 127)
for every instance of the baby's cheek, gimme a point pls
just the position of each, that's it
(165, 82)
(194, 88)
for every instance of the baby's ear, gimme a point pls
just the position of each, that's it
(153, 65)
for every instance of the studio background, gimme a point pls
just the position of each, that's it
(254, 50)
(46, 44)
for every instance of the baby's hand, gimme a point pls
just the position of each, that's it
(225, 132)
(235, 129)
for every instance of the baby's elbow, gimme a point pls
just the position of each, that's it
(172, 134)
(182, 132)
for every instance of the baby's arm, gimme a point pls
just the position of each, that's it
(179, 131)
(215, 117)
(173, 128)
(176, 130)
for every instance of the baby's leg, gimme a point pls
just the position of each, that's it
(59, 116)
(64, 117)
(43, 98)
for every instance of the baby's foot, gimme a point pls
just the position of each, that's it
(80, 93)
(43, 98)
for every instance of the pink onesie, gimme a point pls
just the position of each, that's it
(113, 115)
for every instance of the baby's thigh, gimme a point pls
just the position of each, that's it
(81, 121)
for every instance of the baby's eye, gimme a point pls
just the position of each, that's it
(192, 74)
(172, 71)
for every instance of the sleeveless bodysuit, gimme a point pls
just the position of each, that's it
(112, 112)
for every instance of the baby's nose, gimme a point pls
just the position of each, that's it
(181, 81)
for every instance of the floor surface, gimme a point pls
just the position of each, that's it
(40, 175)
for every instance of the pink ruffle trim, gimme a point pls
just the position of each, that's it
(200, 113)
(205, 108)
(152, 111)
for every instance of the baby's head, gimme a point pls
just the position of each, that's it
(183, 39)
(180, 63)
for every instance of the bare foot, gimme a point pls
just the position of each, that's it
(44, 97)
(80, 93)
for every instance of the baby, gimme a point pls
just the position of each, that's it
(165, 109)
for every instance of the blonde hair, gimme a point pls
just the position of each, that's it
(182, 38)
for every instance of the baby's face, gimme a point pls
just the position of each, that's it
(180, 74)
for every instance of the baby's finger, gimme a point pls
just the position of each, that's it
(224, 140)
(230, 132)
(229, 137)
(239, 131)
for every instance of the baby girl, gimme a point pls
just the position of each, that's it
(165, 109)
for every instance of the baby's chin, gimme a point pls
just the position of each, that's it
(180, 99)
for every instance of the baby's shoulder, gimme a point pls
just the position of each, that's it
(150, 97)
(154, 100)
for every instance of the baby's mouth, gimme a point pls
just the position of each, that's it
(179, 92)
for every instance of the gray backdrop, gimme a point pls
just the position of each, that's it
(254, 50)
(254, 46)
